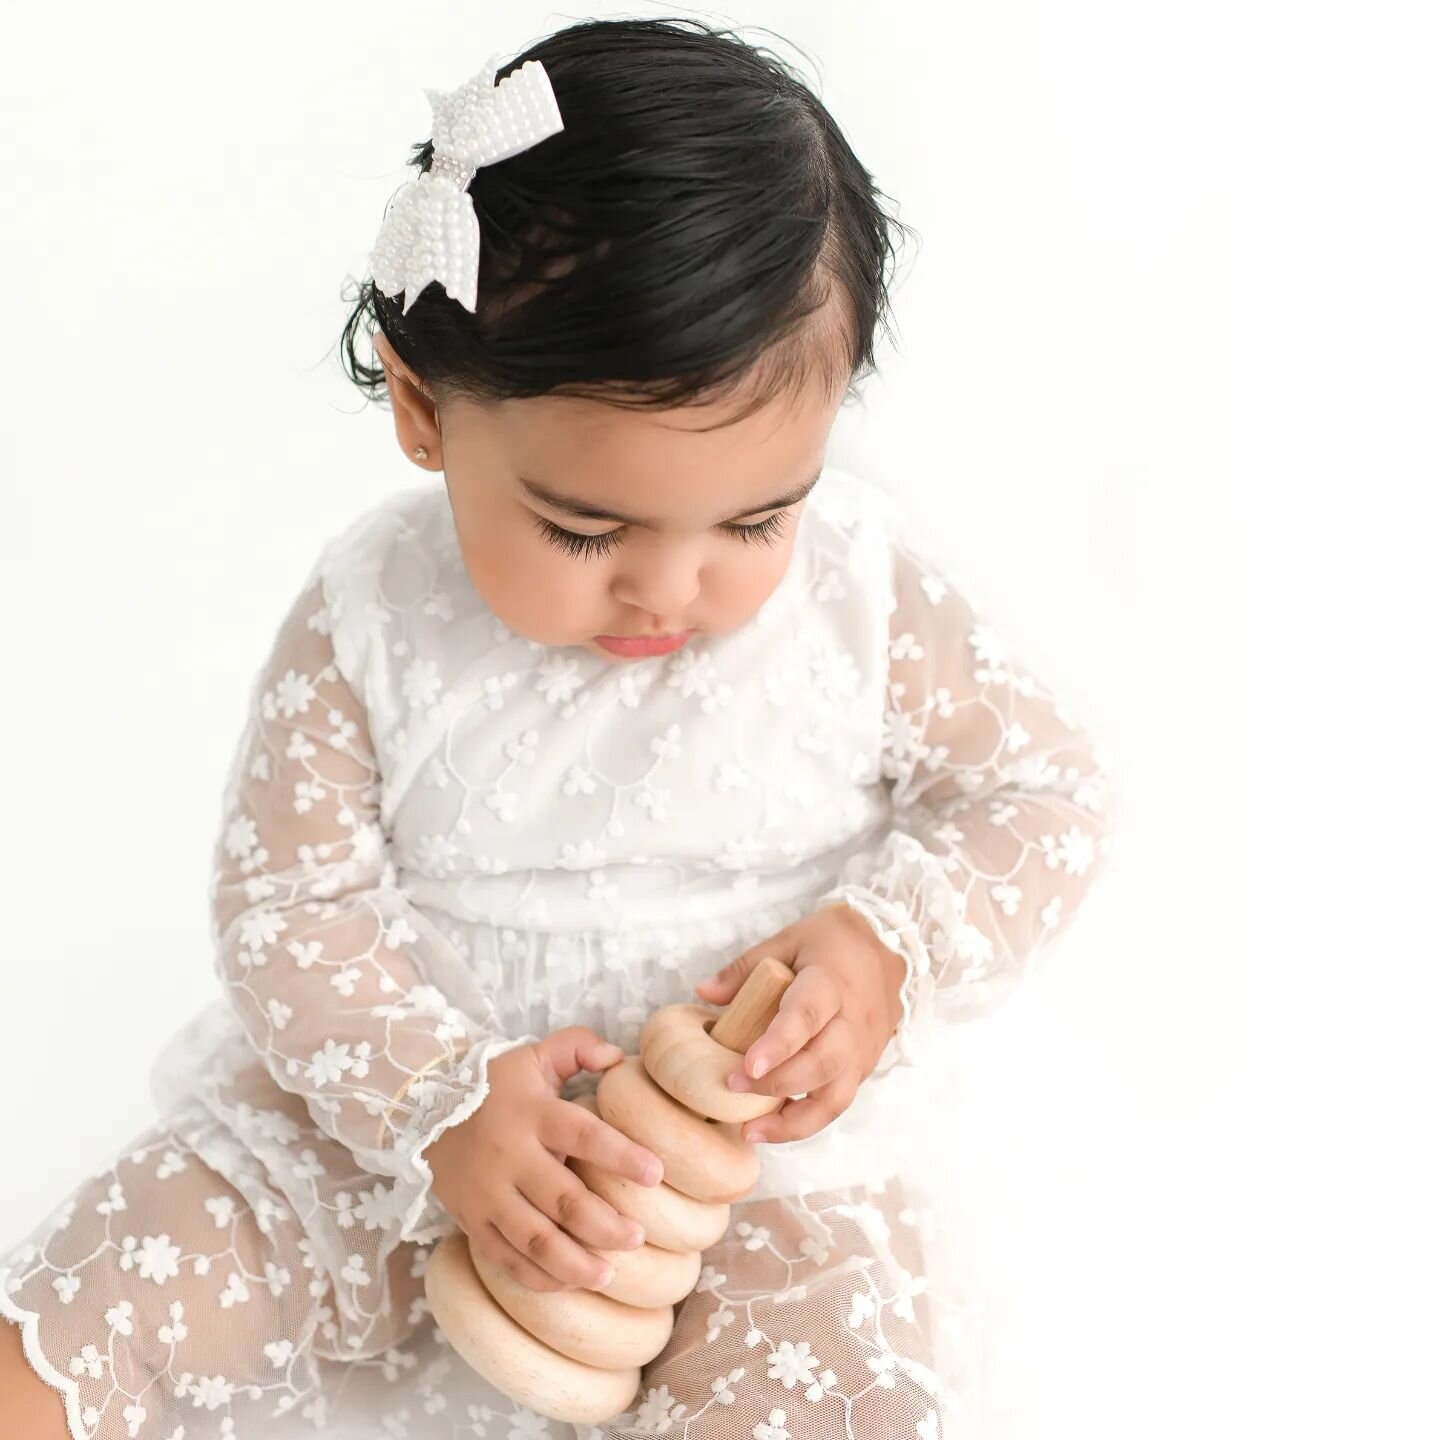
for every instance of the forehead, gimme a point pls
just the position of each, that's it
(674, 465)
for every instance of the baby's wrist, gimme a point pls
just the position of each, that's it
(890, 970)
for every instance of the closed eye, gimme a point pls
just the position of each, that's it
(590, 547)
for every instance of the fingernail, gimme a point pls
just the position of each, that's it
(738, 1081)
(636, 1238)
(759, 1068)
(606, 1276)
(653, 1172)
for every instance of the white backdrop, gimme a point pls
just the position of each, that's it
(186, 191)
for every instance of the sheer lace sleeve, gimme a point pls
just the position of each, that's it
(323, 958)
(1000, 810)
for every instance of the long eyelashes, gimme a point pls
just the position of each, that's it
(589, 547)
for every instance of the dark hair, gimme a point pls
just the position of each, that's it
(675, 238)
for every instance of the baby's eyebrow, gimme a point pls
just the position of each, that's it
(586, 511)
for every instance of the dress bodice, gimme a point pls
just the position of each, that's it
(551, 789)
(594, 838)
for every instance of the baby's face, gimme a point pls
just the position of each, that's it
(678, 561)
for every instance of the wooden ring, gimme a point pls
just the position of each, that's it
(648, 1275)
(580, 1323)
(702, 1158)
(508, 1356)
(669, 1218)
(688, 1064)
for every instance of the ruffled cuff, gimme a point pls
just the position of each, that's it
(874, 911)
(890, 886)
(436, 1103)
(956, 967)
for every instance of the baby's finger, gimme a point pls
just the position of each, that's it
(539, 1240)
(557, 1191)
(802, 1118)
(571, 1129)
(575, 1048)
(722, 987)
(824, 1059)
(495, 1247)
(806, 1008)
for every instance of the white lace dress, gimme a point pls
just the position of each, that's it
(441, 840)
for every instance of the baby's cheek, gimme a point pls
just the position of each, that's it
(737, 589)
(535, 595)
(564, 600)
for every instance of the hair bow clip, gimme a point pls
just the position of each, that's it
(430, 231)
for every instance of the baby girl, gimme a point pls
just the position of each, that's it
(631, 689)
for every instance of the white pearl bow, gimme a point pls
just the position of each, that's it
(431, 232)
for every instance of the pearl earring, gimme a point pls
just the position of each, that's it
(421, 453)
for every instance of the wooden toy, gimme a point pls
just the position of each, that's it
(575, 1355)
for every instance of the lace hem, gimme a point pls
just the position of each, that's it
(28, 1323)
(478, 1059)
(897, 932)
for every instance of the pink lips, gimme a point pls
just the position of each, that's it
(636, 645)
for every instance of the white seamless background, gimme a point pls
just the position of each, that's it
(188, 188)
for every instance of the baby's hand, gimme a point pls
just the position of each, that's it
(502, 1176)
(834, 1020)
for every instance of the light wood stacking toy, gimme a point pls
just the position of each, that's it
(575, 1355)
